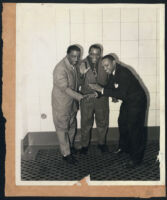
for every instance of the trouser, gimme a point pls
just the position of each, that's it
(65, 129)
(131, 127)
(100, 108)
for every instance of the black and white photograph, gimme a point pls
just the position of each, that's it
(90, 94)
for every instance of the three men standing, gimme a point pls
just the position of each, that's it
(110, 79)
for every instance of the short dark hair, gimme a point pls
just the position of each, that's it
(109, 56)
(95, 46)
(73, 48)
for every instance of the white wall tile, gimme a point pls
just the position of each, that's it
(147, 48)
(113, 119)
(158, 100)
(158, 66)
(93, 32)
(129, 31)
(147, 31)
(114, 106)
(130, 63)
(76, 15)
(129, 49)
(158, 84)
(150, 83)
(78, 119)
(77, 33)
(111, 47)
(62, 31)
(86, 48)
(151, 118)
(93, 15)
(62, 39)
(33, 106)
(47, 124)
(158, 48)
(147, 66)
(158, 30)
(33, 123)
(129, 15)
(158, 10)
(147, 14)
(111, 15)
(111, 31)
(157, 118)
(62, 15)
(153, 98)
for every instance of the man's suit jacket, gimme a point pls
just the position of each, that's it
(65, 85)
(125, 86)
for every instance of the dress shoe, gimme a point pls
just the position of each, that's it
(103, 148)
(119, 151)
(70, 159)
(131, 165)
(83, 150)
(74, 150)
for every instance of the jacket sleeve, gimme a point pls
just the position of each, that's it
(120, 89)
(102, 76)
(61, 81)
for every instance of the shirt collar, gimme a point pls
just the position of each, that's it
(113, 73)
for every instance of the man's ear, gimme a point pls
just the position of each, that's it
(114, 62)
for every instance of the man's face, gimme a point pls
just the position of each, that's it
(94, 55)
(73, 57)
(108, 65)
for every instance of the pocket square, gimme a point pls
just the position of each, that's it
(116, 85)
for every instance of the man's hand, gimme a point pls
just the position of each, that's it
(89, 96)
(83, 69)
(114, 100)
(96, 87)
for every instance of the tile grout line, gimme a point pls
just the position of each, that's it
(120, 34)
(69, 26)
(138, 42)
(156, 72)
(84, 27)
(102, 26)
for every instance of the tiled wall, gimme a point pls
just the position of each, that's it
(44, 32)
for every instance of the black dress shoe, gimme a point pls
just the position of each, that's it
(131, 165)
(83, 150)
(103, 148)
(70, 159)
(119, 151)
(74, 150)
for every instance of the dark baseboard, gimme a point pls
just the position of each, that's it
(49, 139)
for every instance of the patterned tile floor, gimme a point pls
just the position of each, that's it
(48, 165)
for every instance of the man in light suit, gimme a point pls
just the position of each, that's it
(65, 98)
(124, 85)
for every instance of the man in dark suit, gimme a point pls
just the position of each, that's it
(124, 85)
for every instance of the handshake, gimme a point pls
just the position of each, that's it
(89, 96)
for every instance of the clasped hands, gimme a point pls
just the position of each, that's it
(98, 88)
(89, 96)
